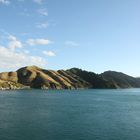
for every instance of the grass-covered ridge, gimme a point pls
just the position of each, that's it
(35, 77)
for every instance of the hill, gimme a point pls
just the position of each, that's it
(35, 77)
(121, 80)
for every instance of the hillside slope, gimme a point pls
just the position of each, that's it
(35, 77)
(121, 80)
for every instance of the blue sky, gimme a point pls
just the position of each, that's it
(95, 35)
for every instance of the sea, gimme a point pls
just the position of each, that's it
(91, 114)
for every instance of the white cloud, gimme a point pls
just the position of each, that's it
(49, 53)
(43, 25)
(14, 56)
(14, 43)
(71, 43)
(38, 1)
(34, 42)
(26, 51)
(43, 12)
(14, 60)
(4, 2)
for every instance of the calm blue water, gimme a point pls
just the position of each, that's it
(70, 115)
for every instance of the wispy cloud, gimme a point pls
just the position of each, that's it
(25, 12)
(24, 34)
(21, 0)
(38, 1)
(71, 43)
(49, 53)
(43, 12)
(41, 41)
(14, 43)
(42, 25)
(6, 2)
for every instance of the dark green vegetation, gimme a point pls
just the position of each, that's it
(35, 77)
(121, 80)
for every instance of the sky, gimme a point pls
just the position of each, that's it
(94, 35)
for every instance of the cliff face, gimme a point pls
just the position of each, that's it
(35, 77)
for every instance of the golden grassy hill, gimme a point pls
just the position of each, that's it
(74, 78)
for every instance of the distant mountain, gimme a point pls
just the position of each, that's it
(35, 77)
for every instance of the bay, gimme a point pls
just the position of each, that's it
(70, 114)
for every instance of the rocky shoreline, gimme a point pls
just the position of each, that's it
(8, 85)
